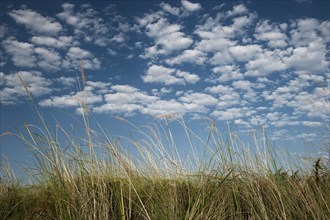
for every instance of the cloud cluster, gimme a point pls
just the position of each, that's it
(227, 63)
(24, 54)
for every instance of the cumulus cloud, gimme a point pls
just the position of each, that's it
(244, 53)
(314, 105)
(164, 107)
(227, 73)
(228, 114)
(191, 7)
(167, 36)
(66, 81)
(129, 100)
(125, 99)
(36, 22)
(75, 99)
(76, 54)
(26, 55)
(90, 26)
(273, 34)
(213, 43)
(266, 63)
(306, 30)
(22, 53)
(189, 56)
(310, 58)
(242, 84)
(200, 99)
(237, 10)
(60, 42)
(168, 76)
(220, 89)
(228, 97)
(48, 59)
(253, 71)
(168, 8)
(12, 89)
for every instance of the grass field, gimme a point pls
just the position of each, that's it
(96, 177)
(105, 182)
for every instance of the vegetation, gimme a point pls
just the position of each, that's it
(96, 177)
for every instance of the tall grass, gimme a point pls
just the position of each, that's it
(96, 177)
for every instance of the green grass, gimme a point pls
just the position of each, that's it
(97, 177)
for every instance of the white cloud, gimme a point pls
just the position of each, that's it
(201, 99)
(314, 105)
(220, 89)
(266, 63)
(22, 53)
(129, 94)
(60, 42)
(75, 99)
(273, 116)
(305, 30)
(310, 58)
(126, 99)
(161, 91)
(26, 55)
(168, 8)
(164, 107)
(227, 72)
(160, 74)
(189, 56)
(129, 100)
(324, 28)
(307, 76)
(187, 77)
(98, 84)
(68, 16)
(228, 97)
(221, 58)
(167, 36)
(48, 59)
(168, 76)
(36, 22)
(149, 18)
(66, 81)
(191, 7)
(312, 123)
(215, 28)
(13, 89)
(228, 114)
(242, 84)
(271, 33)
(90, 26)
(237, 10)
(244, 53)
(258, 120)
(213, 43)
(75, 55)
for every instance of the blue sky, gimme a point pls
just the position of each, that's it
(246, 64)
